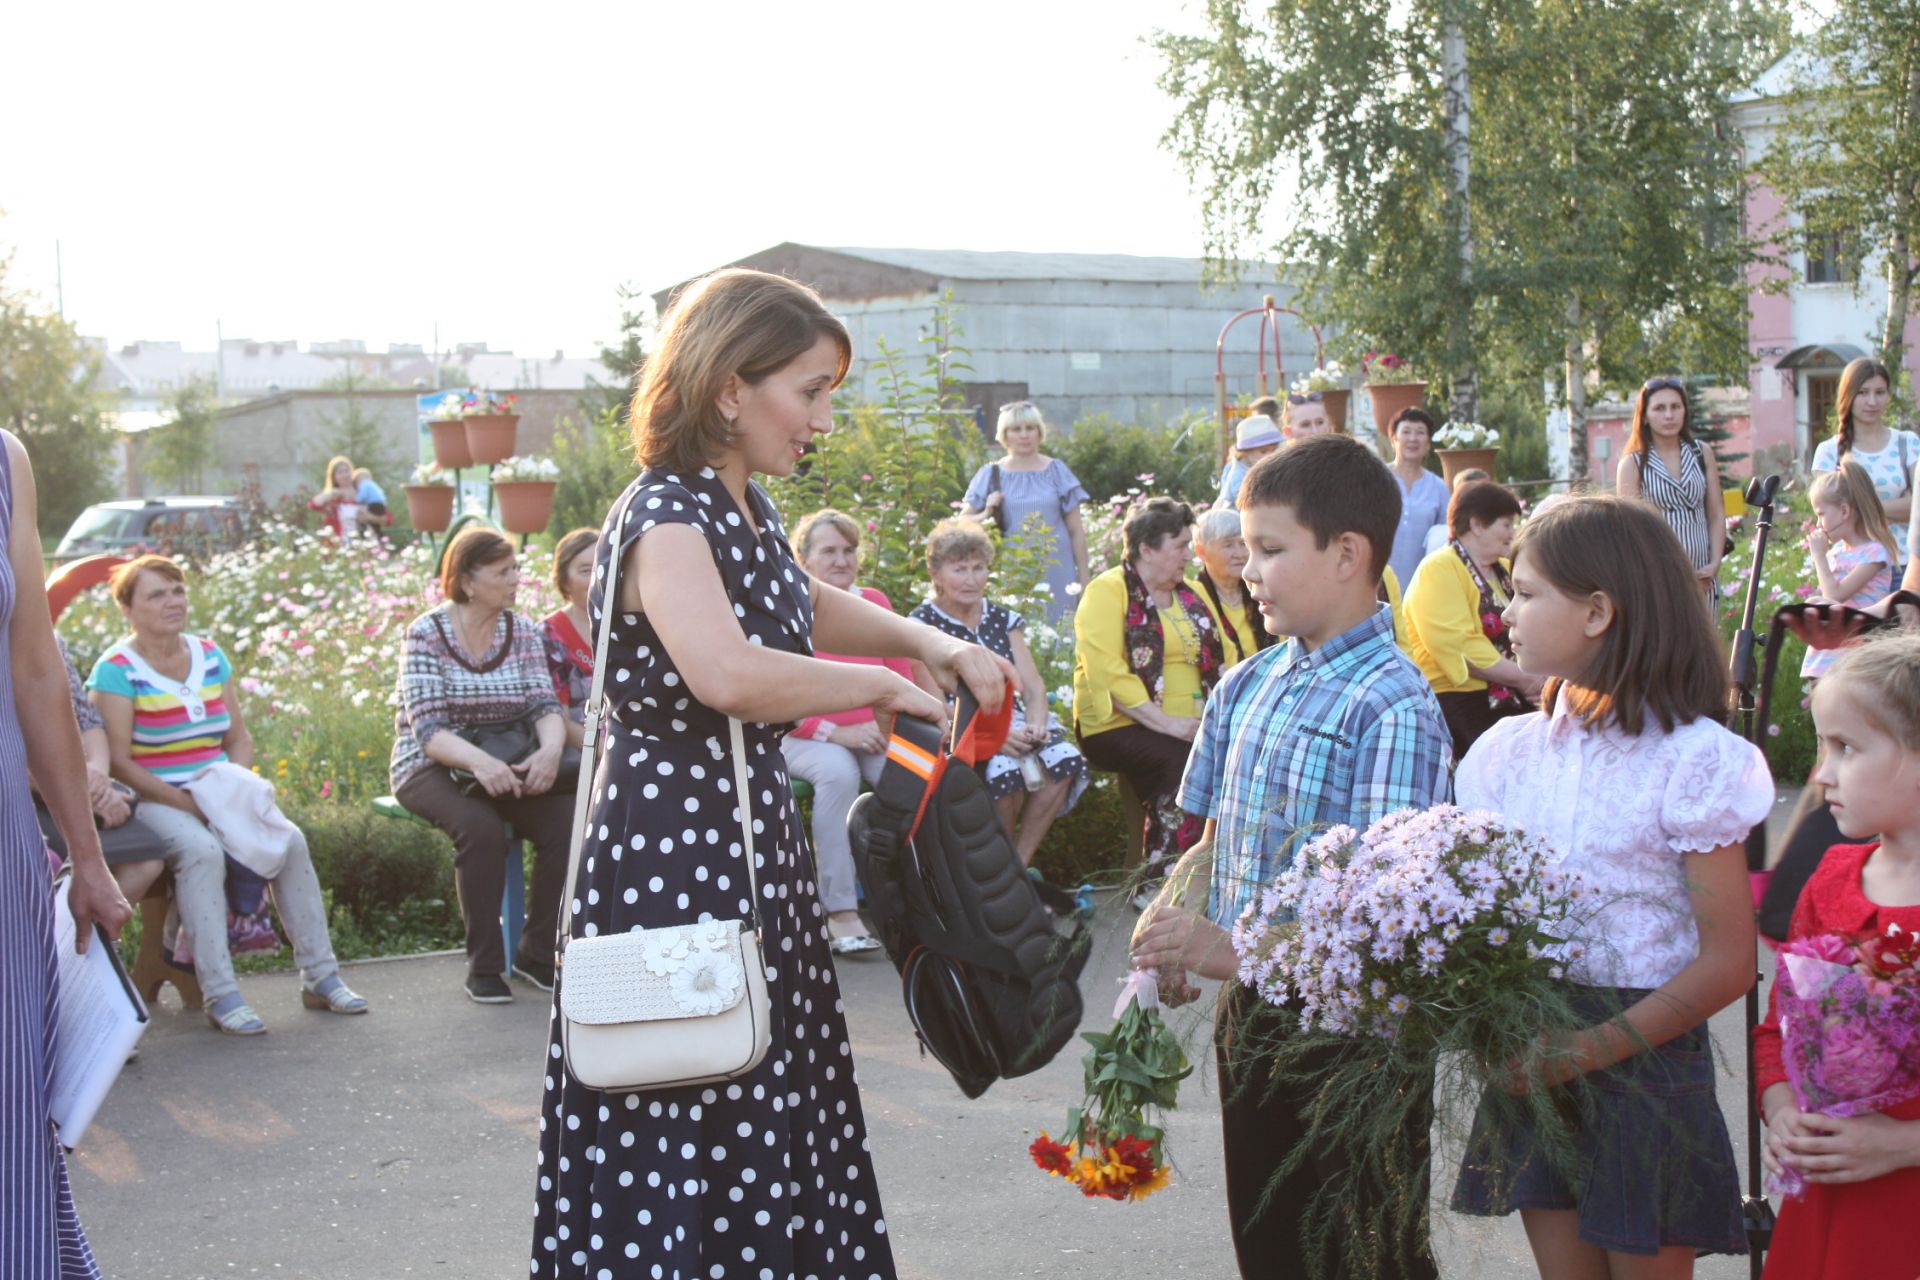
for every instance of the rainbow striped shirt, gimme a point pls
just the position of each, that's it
(167, 740)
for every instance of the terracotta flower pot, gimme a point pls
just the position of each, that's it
(525, 505)
(1454, 461)
(430, 506)
(1335, 403)
(450, 443)
(1390, 398)
(490, 436)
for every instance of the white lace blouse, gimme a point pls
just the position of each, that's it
(1624, 812)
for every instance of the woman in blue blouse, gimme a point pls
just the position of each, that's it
(1027, 482)
(1423, 495)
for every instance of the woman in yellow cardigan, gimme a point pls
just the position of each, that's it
(1455, 630)
(1147, 653)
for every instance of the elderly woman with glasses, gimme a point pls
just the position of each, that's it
(1223, 557)
(1024, 484)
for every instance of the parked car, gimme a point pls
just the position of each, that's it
(187, 526)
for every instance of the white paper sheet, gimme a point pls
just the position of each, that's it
(101, 1019)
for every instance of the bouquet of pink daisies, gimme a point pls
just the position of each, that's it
(1431, 946)
(1849, 1026)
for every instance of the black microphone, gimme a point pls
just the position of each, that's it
(1760, 490)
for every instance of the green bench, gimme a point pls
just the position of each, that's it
(513, 899)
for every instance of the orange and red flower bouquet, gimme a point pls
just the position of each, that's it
(1111, 1149)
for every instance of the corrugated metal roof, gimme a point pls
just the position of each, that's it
(968, 264)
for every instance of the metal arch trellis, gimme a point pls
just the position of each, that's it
(1269, 314)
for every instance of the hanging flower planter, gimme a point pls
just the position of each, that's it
(1389, 398)
(525, 505)
(430, 506)
(450, 443)
(1463, 446)
(1335, 403)
(490, 436)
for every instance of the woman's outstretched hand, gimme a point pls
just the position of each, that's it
(987, 675)
(900, 697)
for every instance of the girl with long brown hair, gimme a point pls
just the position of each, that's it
(1863, 435)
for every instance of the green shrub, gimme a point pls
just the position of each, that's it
(1112, 457)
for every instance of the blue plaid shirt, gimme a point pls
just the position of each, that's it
(1293, 742)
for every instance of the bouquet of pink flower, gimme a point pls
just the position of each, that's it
(1849, 1026)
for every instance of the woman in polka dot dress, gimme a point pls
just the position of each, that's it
(766, 1177)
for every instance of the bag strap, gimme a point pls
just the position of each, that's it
(590, 754)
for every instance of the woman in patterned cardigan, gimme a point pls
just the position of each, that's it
(469, 662)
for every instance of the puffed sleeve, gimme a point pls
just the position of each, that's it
(1718, 789)
(1480, 780)
(976, 495)
(1072, 492)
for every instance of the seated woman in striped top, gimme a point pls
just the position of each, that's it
(170, 709)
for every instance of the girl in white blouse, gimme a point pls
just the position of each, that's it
(1628, 772)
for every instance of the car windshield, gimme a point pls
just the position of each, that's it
(96, 523)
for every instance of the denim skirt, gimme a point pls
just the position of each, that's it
(1653, 1164)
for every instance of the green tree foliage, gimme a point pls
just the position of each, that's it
(1604, 201)
(1847, 154)
(623, 360)
(48, 399)
(596, 463)
(177, 452)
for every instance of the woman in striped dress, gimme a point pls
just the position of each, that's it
(40, 1235)
(1663, 464)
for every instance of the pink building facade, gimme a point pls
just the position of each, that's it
(1805, 320)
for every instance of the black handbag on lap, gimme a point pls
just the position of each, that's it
(512, 742)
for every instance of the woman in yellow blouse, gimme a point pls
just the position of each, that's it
(1147, 652)
(1455, 630)
(1223, 556)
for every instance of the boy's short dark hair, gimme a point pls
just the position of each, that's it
(1333, 484)
(1266, 406)
(1482, 500)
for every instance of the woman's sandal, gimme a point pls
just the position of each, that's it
(333, 995)
(854, 944)
(238, 1020)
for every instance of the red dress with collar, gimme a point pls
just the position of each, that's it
(1858, 1230)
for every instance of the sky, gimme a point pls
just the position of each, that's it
(371, 171)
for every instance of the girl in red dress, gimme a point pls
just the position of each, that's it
(1859, 1217)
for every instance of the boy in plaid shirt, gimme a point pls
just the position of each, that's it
(1337, 726)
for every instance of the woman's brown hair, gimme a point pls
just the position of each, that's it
(733, 322)
(1855, 376)
(1659, 658)
(1639, 436)
(573, 544)
(471, 548)
(127, 576)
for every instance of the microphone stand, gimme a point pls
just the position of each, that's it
(1755, 1210)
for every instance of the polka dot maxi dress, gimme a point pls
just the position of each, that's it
(766, 1177)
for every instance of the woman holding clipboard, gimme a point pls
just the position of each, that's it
(40, 1234)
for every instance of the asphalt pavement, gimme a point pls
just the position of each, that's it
(401, 1143)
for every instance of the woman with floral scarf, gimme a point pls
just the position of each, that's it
(1147, 653)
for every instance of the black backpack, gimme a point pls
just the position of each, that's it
(991, 989)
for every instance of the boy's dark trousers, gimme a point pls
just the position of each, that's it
(1262, 1123)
